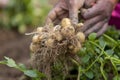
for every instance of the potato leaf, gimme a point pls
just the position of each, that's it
(92, 36)
(10, 62)
(30, 73)
(89, 74)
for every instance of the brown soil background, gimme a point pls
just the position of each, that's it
(15, 46)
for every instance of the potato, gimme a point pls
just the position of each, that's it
(49, 42)
(81, 36)
(68, 31)
(76, 48)
(65, 22)
(34, 47)
(35, 39)
(80, 25)
(71, 47)
(43, 36)
(57, 36)
(39, 29)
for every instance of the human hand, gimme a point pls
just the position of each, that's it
(3, 3)
(96, 17)
(64, 9)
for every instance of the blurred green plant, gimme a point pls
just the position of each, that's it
(34, 74)
(100, 57)
(22, 13)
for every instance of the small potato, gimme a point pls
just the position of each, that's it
(34, 47)
(39, 29)
(57, 36)
(49, 42)
(71, 47)
(80, 25)
(81, 36)
(76, 48)
(43, 36)
(35, 39)
(68, 31)
(65, 22)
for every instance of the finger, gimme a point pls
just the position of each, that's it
(89, 3)
(89, 23)
(60, 17)
(65, 15)
(73, 11)
(73, 16)
(102, 30)
(93, 11)
(95, 28)
(54, 13)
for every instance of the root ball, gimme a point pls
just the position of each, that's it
(52, 44)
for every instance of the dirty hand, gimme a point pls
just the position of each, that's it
(97, 16)
(65, 8)
(3, 3)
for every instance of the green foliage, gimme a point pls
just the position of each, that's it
(21, 13)
(99, 60)
(100, 57)
(34, 74)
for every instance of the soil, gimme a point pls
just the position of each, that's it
(16, 46)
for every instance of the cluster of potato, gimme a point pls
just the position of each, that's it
(50, 37)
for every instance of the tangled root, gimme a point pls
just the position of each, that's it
(50, 44)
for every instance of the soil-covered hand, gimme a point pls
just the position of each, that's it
(3, 3)
(97, 16)
(63, 9)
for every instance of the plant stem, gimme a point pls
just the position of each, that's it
(102, 71)
(78, 77)
(102, 51)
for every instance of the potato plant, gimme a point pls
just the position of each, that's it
(99, 59)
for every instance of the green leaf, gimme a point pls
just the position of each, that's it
(109, 52)
(115, 56)
(97, 50)
(101, 42)
(89, 74)
(30, 73)
(22, 66)
(116, 78)
(10, 62)
(86, 58)
(92, 36)
(40, 75)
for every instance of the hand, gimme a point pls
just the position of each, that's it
(3, 3)
(65, 8)
(96, 17)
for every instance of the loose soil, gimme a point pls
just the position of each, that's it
(16, 46)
